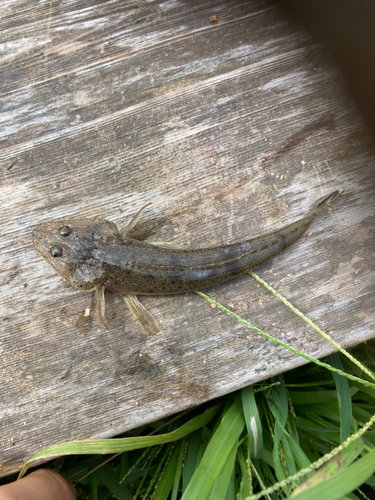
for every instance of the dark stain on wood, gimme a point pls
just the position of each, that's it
(83, 322)
(326, 121)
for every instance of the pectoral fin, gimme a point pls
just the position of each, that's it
(146, 320)
(100, 306)
(135, 219)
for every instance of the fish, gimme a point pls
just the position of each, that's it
(93, 254)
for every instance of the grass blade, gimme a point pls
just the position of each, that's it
(221, 483)
(278, 403)
(253, 422)
(101, 446)
(344, 398)
(178, 473)
(339, 462)
(111, 481)
(246, 474)
(165, 483)
(216, 454)
(343, 482)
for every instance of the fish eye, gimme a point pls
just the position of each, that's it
(65, 231)
(56, 251)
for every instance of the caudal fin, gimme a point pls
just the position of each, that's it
(328, 199)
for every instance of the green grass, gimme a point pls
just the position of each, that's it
(306, 434)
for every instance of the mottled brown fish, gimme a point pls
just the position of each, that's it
(92, 254)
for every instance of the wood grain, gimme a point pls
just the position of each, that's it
(231, 129)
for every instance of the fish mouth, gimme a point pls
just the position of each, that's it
(41, 235)
(37, 237)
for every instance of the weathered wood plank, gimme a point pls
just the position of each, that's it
(232, 129)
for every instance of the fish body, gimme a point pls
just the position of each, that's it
(92, 254)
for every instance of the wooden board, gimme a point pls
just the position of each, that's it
(231, 129)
